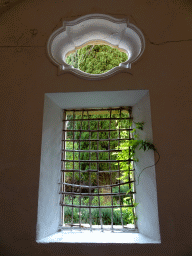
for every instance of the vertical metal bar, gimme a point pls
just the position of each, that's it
(129, 179)
(73, 164)
(80, 170)
(61, 178)
(119, 174)
(109, 156)
(100, 216)
(90, 197)
(64, 167)
(90, 217)
(134, 190)
(132, 185)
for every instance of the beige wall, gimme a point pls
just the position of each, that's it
(27, 74)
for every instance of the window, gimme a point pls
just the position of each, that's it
(95, 29)
(97, 185)
(49, 210)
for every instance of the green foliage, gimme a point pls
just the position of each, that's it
(104, 178)
(145, 145)
(139, 125)
(128, 150)
(128, 215)
(96, 59)
(77, 130)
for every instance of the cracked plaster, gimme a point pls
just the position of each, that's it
(39, 35)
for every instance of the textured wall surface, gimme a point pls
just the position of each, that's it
(27, 74)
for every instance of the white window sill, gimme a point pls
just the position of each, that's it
(86, 236)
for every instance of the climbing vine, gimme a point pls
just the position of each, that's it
(128, 150)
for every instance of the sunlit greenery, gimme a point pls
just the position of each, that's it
(79, 131)
(96, 59)
(128, 216)
(104, 178)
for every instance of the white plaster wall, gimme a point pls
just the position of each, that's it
(48, 203)
(146, 191)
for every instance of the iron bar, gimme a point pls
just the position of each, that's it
(107, 171)
(126, 109)
(96, 140)
(80, 176)
(97, 161)
(90, 197)
(119, 178)
(73, 166)
(105, 130)
(82, 151)
(93, 206)
(97, 119)
(104, 186)
(97, 156)
(97, 194)
(110, 173)
(100, 215)
(63, 178)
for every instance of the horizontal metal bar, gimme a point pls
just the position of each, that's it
(106, 130)
(98, 119)
(95, 194)
(127, 108)
(105, 206)
(105, 171)
(97, 161)
(94, 187)
(118, 139)
(99, 150)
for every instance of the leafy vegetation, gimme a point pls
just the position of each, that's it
(79, 132)
(128, 216)
(129, 148)
(104, 178)
(96, 59)
(127, 151)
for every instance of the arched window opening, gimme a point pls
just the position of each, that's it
(95, 29)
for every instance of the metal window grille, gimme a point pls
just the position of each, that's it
(94, 193)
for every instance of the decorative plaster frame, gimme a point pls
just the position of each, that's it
(95, 29)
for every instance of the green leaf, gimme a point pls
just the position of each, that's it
(139, 125)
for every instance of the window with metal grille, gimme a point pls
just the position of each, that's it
(97, 183)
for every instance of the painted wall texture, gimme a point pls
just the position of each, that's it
(27, 74)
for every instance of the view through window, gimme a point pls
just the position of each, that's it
(96, 59)
(97, 182)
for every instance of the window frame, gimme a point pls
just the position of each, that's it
(48, 218)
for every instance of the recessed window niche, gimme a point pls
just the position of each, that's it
(49, 209)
